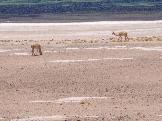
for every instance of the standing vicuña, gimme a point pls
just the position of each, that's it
(36, 47)
(120, 34)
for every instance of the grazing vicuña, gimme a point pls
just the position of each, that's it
(120, 34)
(36, 47)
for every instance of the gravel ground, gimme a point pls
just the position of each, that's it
(76, 80)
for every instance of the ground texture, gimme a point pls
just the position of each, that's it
(78, 80)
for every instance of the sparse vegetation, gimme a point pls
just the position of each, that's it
(140, 39)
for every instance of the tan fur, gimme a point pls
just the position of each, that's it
(36, 47)
(120, 34)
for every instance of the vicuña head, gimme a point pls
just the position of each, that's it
(113, 33)
(36, 47)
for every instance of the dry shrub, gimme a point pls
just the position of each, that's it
(85, 102)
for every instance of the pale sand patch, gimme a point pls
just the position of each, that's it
(66, 61)
(53, 118)
(93, 59)
(42, 118)
(42, 101)
(3, 50)
(77, 99)
(94, 48)
(48, 51)
(148, 48)
(88, 60)
(77, 30)
(120, 46)
(17, 49)
(108, 48)
(72, 48)
(127, 48)
(22, 54)
(117, 58)
(159, 48)
(83, 23)
(69, 100)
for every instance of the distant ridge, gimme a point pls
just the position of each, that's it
(61, 6)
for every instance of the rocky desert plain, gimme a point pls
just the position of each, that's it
(84, 74)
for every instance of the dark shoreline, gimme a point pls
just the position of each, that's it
(81, 17)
